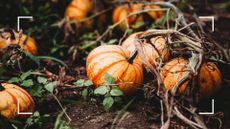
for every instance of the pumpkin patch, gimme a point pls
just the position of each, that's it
(114, 64)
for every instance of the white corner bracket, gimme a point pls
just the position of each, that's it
(22, 17)
(209, 113)
(22, 113)
(211, 18)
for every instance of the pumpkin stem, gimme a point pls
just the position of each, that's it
(1, 87)
(132, 56)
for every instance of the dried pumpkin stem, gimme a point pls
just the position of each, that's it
(132, 56)
(1, 87)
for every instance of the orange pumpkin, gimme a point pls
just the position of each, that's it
(173, 71)
(151, 52)
(121, 12)
(9, 96)
(27, 42)
(154, 14)
(78, 10)
(112, 59)
(209, 77)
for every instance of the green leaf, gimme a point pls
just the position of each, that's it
(88, 83)
(14, 79)
(109, 79)
(25, 75)
(27, 83)
(108, 103)
(85, 93)
(80, 82)
(50, 86)
(101, 90)
(42, 80)
(116, 92)
(36, 90)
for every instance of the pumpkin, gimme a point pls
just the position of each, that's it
(172, 72)
(154, 14)
(9, 96)
(113, 59)
(123, 11)
(208, 81)
(26, 42)
(151, 51)
(78, 10)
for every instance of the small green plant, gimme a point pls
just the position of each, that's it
(111, 92)
(36, 119)
(23, 79)
(36, 87)
(87, 85)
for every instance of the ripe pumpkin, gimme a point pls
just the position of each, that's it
(78, 10)
(172, 72)
(9, 95)
(209, 77)
(151, 52)
(112, 59)
(27, 42)
(123, 11)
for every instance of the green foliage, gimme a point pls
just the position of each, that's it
(86, 85)
(36, 119)
(111, 93)
(37, 87)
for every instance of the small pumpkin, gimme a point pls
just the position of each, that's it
(123, 11)
(28, 43)
(78, 10)
(208, 81)
(151, 51)
(114, 60)
(9, 95)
